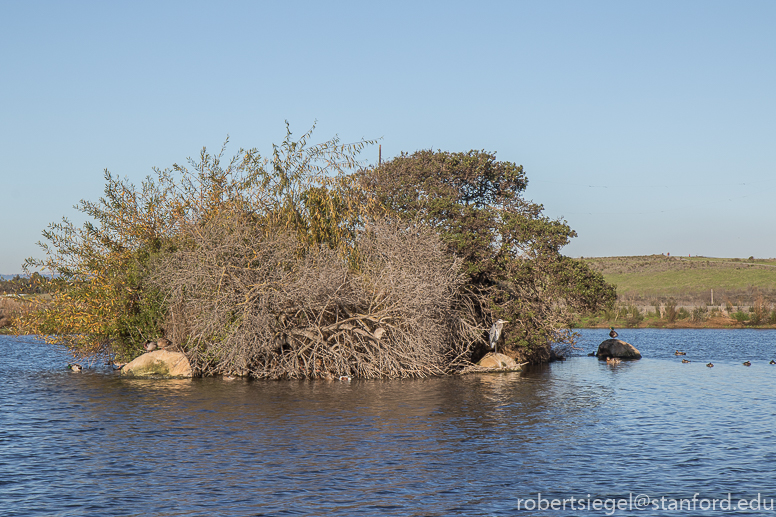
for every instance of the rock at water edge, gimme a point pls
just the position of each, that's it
(159, 363)
(494, 360)
(617, 348)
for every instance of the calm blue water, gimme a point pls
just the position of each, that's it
(98, 444)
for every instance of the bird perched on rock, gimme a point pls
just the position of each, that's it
(613, 333)
(710, 365)
(150, 346)
(680, 353)
(75, 367)
(163, 342)
(495, 333)
(747, 363)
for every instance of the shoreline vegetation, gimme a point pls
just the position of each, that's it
(717, 322)
(661, 291)
(744, 294)
(308, 264)
(13, 306)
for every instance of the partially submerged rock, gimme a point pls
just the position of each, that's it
(500, 361)
(617, 348)
(159, 363)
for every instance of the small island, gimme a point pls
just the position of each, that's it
(309, 264)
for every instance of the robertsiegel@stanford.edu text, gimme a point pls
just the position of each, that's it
(644, 502)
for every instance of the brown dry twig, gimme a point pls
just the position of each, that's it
(252, 301)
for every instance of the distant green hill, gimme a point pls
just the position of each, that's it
(689, 280)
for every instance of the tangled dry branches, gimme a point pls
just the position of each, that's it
(249, 301)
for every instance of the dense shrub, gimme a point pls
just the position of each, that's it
(700, 314)
(759, 311)
(634, 316)
(101, 299)
(244, 301)
(510, 250)
(670, 311)
(304, 264)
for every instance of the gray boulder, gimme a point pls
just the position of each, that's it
(617, 348)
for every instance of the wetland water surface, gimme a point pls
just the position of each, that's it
(97, 444)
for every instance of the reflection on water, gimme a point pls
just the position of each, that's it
(99, 444)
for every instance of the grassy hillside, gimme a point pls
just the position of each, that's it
(689, 280)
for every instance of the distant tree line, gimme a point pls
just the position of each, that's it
(29, 284)
(308, 264)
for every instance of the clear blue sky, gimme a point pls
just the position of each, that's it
(649, 126)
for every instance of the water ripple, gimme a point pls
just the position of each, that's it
(98, 444)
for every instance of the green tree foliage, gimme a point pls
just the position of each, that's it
(511, 251)
(100, 301)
